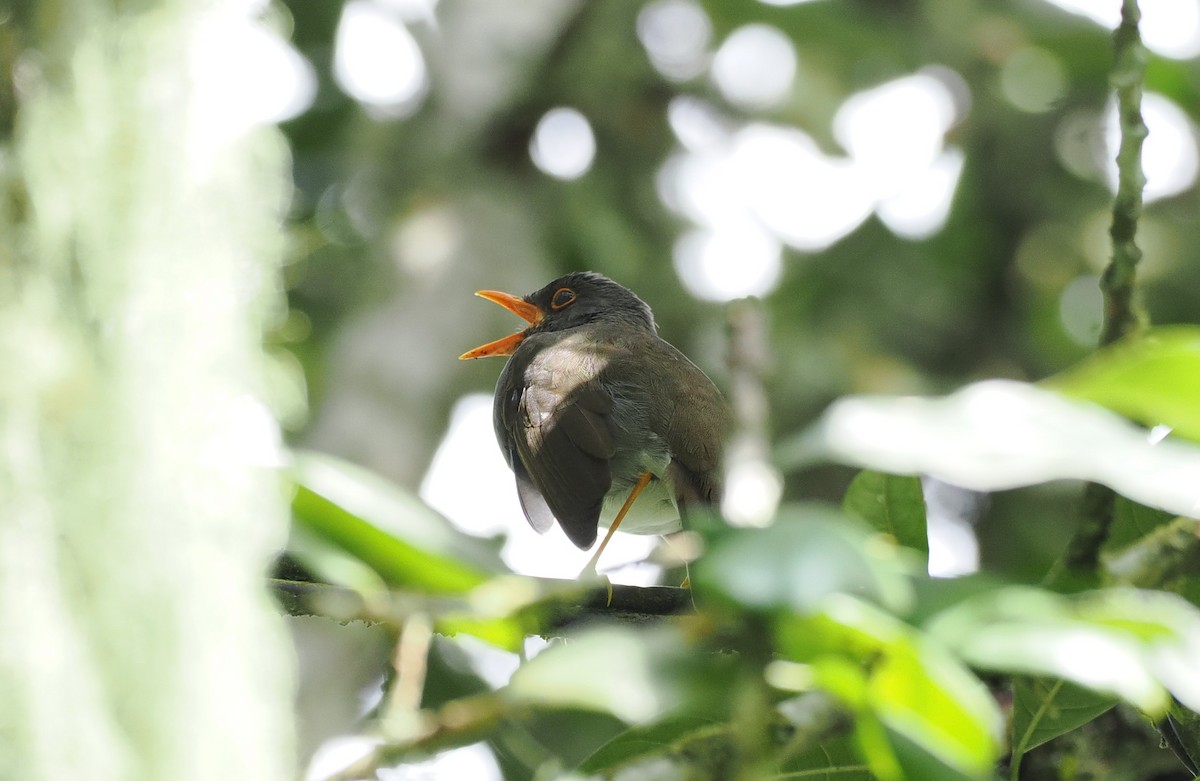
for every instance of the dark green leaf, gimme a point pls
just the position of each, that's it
(1044, 708)
(893, 504)
(570, 736)
(1181, 732)
(1132, 522)
(650, 740)
(918, 763)
(833, 760)
(934, 595)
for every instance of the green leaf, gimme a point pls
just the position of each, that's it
(1132, 522)
(649, 741)
(893, 504)
(919, 764)
(1166, 625)
(1000, 434)
(925, 694)
(833, 760)
(1181, 732)
(350, 509)
(632, 675)
(810, 552)
(885, 670)
(1153, 378)
(505, 632)
(1134, 644)
(936, 595)
(1044, 708)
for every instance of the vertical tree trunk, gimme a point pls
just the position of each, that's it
(139, 251)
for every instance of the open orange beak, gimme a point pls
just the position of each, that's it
(508, 345)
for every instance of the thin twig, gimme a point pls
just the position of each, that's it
(410, 660)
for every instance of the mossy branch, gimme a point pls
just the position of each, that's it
(628, 604)
(1123, 314)
(1169, 552)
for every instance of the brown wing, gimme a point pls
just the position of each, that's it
(561, 444)
(698, 420)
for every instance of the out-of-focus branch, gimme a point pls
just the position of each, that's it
(458, 723)
(752, 484)
(1122, 314)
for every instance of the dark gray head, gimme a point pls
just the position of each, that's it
(568, 302)
(586, 297)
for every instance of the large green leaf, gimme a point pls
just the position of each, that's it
(1044, 708)
(1153, 378)
(810, 552)
(925, 694)
(1137, 645)
(397, 562)
(641, 751)
(918, 763)
(611, 670)
(634, 675)
(395, 534)
(893, 504)
(833, 760)
(885, 670)
(1001, 434)
(649, 741)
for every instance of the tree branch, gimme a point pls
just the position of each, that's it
(1122, 313)
(629, 604)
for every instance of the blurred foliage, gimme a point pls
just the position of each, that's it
(1147, 379)
(819, 648)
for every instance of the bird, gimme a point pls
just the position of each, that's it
(594, 410)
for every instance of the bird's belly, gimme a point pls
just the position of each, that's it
(654, 512)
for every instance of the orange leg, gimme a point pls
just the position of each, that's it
(638, 487)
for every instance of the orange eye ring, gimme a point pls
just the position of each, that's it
(563, 297)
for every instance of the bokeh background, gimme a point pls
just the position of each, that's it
(918, 190)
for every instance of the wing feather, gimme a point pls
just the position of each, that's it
(562, 444)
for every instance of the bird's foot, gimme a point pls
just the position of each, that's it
(590, 572)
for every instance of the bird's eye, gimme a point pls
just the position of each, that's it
(562, 297)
